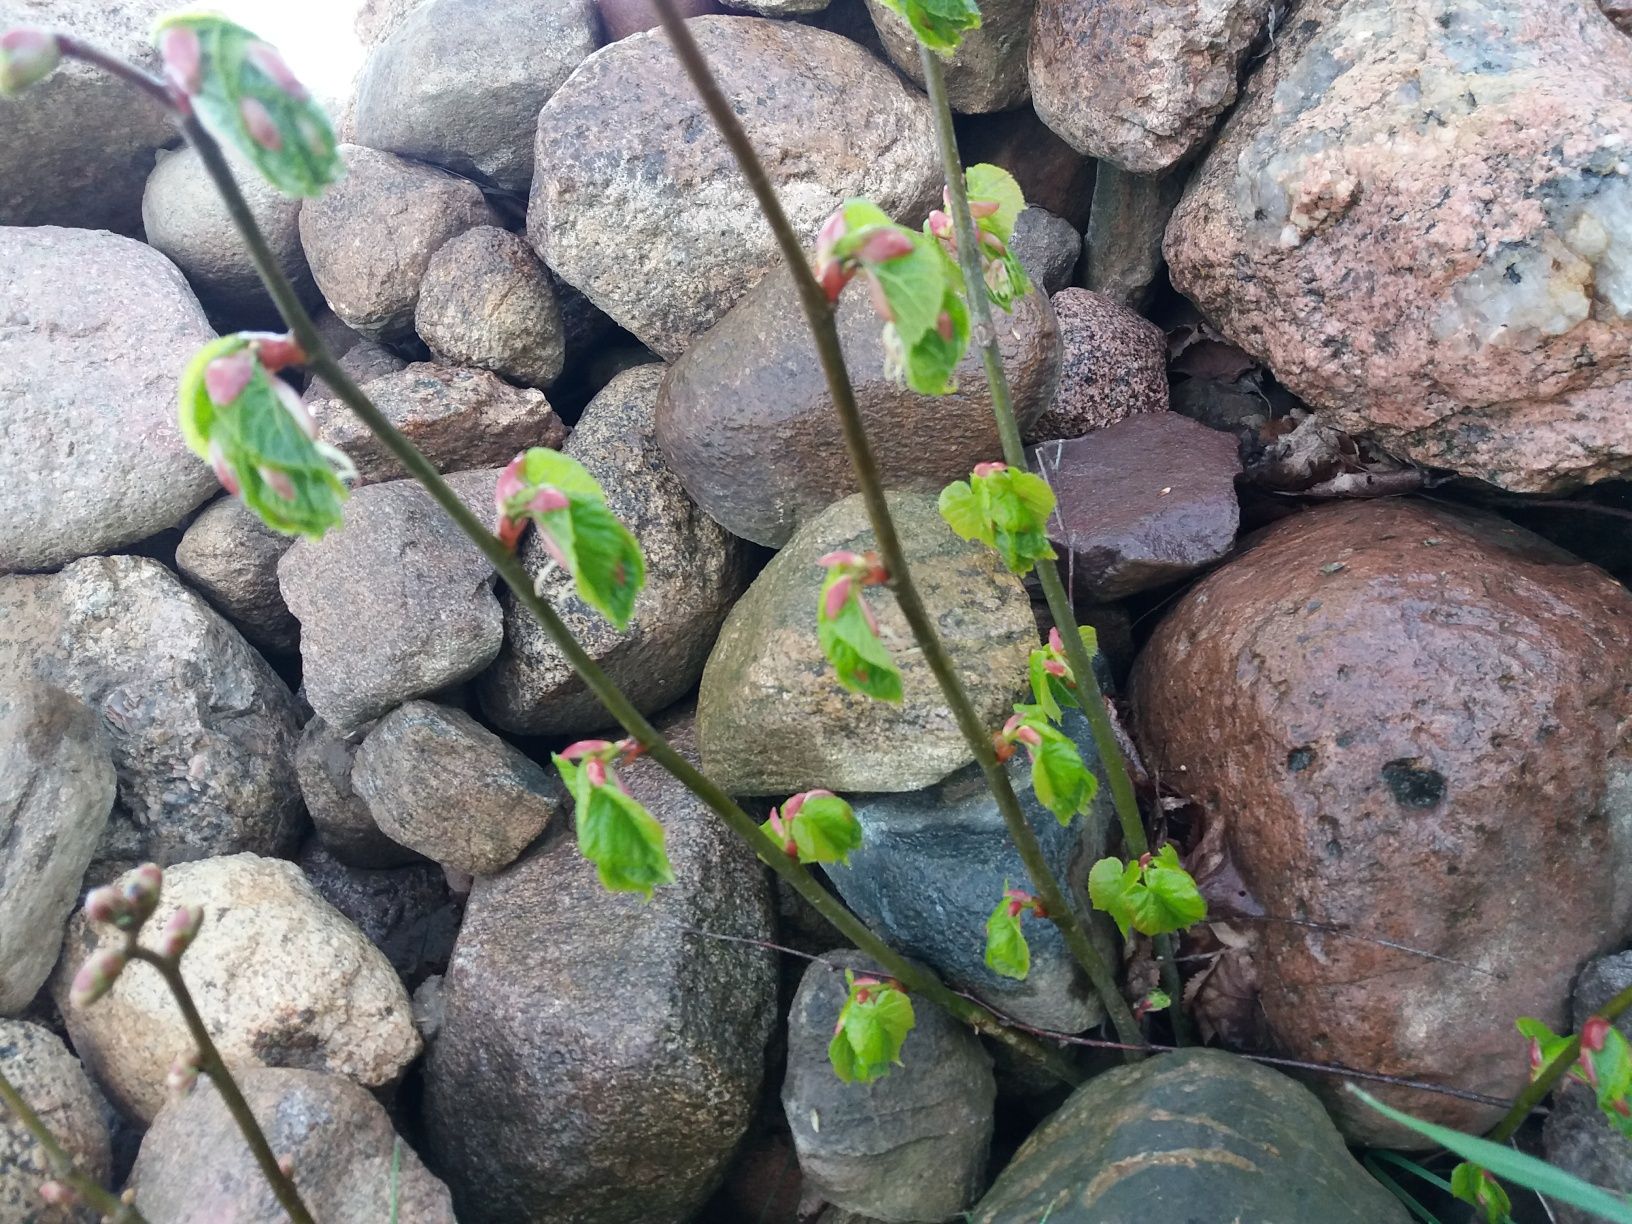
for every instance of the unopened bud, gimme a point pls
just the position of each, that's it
(26, 56)
(1594, 1033)
(141, 890)
(108, 905)
(266, 58)
(940, 224)
(183, 59)
(1055, 642)
(983, 208)
(1055, 667)
(183, 1074)
(96, 977)
(884, 245)
(984, 470)
(836, 597)
(226, 377)
(180, 929)
(828, 236)
(587, 748)
(1028, 736)
(595, 771)
(258, 122)
(286, 1165)
(58, 1195)
(278, 481)
(832, 277)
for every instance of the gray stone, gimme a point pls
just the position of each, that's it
(96, 332)
(323, 762)
(1577, 1136)
(350, 1165)
(370, 237)
(747, 424)
(1141, 503)
(988, 70)
(439, 782)
(459, 82)
(621, 18)
(202, 730)
(1136, 85)
(487, 301)
(1113, 364)
(51, 1080)
(279, 976)
(232, 557)
(933, 863)
(364, 360)
(184, 216)
(629, 1053)
(79, 144)
(1048, 248)
(56, 789)
(694, 572)
(395, 603)
(460, 419)
(638, 202)
(771, 718)
(1205, 1134)
(408, 913)
(1122, 248)
(911, 1145)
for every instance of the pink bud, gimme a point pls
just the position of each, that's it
(180, 929)
(1594, 1033)
(833, 602)
(96, 977)
(832, 277)
(629, 748)
(1054, 667)
(278, 351)
(1535, 1056)
(290, 399)
(880, 303)
(984, 470)
(983, 208)
(943, 325)
(260, 125)
(278, 482)
(1001, 748)
(885, 244)
(107, 905)
(790, 809)
(226, 377)
(266, 58)
(58, 1195)
(1012, 725)
(286, 1165)
(993, 243)
(510, 481)
(1028, 736)
(588, 747)
(1055, 642)
(829, 560)
(595, 771)
(26, 56)
(223, 469)
(828, 236)
(941, 226)
(141, 890)
(183, 59)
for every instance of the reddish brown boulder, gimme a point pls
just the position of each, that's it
(1113, 363)
(1411, 724)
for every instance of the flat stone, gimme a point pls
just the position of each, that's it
(90, 458)
(1141, 503)
(771, 718)
(231, 558)
(51, 1080)
(988, 70)
(487, 301)
(747, 424)
(1113, 364)
(638, 202)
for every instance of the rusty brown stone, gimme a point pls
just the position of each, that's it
(1113, 363)
(1413, 724)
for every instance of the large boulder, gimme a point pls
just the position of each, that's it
(487, 301)
(459, 82)
(1206, 1135)
(279, 976)
(772, 719)
(97, 331)
(195, 1168)
(56, 789)
(638, 202)
(202, 730)
(370, 237)
(1432, 201)
(1390, 712)
(694, 572)
(53, 1083)
(230, 556)
(395, 603)
(746, 421)
(988, 70)
(598, 1061)
(79, 144)
(1136, 84)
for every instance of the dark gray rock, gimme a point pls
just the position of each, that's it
(96, 333)
(934, 862)
(1122, 248)
(323, 761)
(596, 1063)
(364, 360)
(1577, 1136)
(988, 70)
(408, 913)
(439, 782)
(911, 1145)
(747, 424)
(232, 557)
(56, 789)
(1113, 364)
(203, 732)
(1206, 1135)
(51, 1080)
(395, 603)
(487, 301)
(1141, 503)
(1048, 247)
(694, 572)
(194, 1167)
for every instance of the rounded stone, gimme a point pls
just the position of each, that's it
(487, 301)
(232, 557)
(1113, 364)
(53, 1084)
(988, 70)
(323, 763)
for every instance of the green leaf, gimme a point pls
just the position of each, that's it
(930, 363)
(1170, 900)
(1007, 952)
(915, 287)
(871, 1031)
(1007, 509)
(965, 512)
(296, 151)
(1473, 1185)
(259, 439)
(616, 833)
(1552, 1045)
(1043, 682)
(988, 182)
(938, 24)
(1062, 783)
(859, 659)
(1110, 888)
(1510, 1165)
(825, 830)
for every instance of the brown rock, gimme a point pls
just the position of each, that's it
(53, 1084)
(323, 762)
(1050, 172)
(747, 424)
(487, 301)
(1408, 275)
(1620, 12)
(194, 1167)
(1136, 84)
(621, 18)
(638, 202)
(461, 419)
(988, 70)
(232, 557)
(370, 237)
(1395, 711)
(1141, 503)
(1113, 364)
(364, 360)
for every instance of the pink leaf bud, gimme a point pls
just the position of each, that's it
(885, 244)
(223, 469)
(286, 1165)
(595, 771)
(58, 1195)
(260, 125)
(509, 531)
(832, 277)
(180, 929)
(1055, 642)
(510, 481)
(226, 377)
(993, 243)
(26, 56)
(984, 470)
(183, 59)
(1013, 725)
(290, 399)
(837, 594)
(96, 977)
(880, 302)
(547, 500)
(1001, 747)
(1055, 667)
(828, 236)
(587, 748)
(278, 351)
(141, 889)
(107, 905)
(1594, 1033)
(983, 208)
(943, 325)
(940, 224)
(266, 58)
(278, 482)
(629, 748)
(183, 1074)
(829, 560)
(1028, 736)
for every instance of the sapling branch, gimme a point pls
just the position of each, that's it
(1548, 1076)
(68, 1174)
(819, 315)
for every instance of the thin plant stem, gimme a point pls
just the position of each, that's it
(515, 575)
(1014, 454)
(105, 1202)
(1537, 1089)
(211, 1064)
(819, 314)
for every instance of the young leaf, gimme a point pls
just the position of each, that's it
(616, 833)
(1546, 1046)
(1473, 1185)
(1044, 685)
(873, 1025)
(246, 96)
(995, 184)
(914, 286)
(1170, 901)
(939, 24)
(826, 830)
(851, 644)
(1004, 508)
(1060, 780)
(931, 362)
(1007, 952)
(1110, 888)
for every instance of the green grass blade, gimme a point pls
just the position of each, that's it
(1375, 1168)
(396, 1174)
(1411, 1167)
